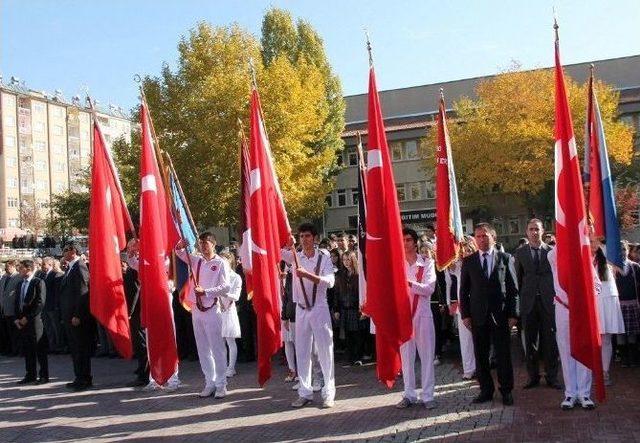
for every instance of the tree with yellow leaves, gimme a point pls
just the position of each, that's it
(503, 140)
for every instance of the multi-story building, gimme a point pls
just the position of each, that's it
(410, 112)
(45, 147)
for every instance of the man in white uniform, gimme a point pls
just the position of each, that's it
(210, 282)
(577, 377)
(313, 275)
(421, 277)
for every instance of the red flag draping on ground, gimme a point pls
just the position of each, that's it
(244, 230)
(269, 232)
(109, 221)
(156, 233)
(448, 221)
(575, 271)
(387, 290)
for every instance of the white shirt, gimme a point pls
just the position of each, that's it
(70, 265)
(213, 276)
(235, 287)
(327, 277)
(423, 288)
(490, 259)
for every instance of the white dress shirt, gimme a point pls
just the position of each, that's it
(423, 288)
(327, 277)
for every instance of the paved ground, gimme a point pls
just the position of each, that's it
(364, 410)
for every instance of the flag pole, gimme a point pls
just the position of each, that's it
(369, 50)
(111, 164)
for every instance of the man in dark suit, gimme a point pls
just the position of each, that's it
(535, 283)
(9, 284)
(76, 316)
(29, 304)
(51, 314)
(488, 305)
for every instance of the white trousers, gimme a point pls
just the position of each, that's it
(466, 347)
(577, 377)
(207, 328)
(313, 327)
(424, 343)
(607, 351)
(290, 346)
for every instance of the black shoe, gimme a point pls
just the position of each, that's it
(507, 399)
(82, 387)
(555, 384)
(531, 384)
(482, 398)
(72, 385)
(26, 380)
(42, 381)
(138, 383)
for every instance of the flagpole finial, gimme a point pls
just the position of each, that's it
(555, 22)
(252, 71)
(442, 93)
(137, 78)
(366, 33)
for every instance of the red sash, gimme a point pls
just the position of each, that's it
(199, 304)
(416, 297)
(559, 300)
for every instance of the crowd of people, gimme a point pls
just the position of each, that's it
(473, 306)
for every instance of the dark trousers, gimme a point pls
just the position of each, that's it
(437, 324)
(81, 341)
(354, 342)
(499, 336)
(139, 341)
(34, 346)
(540, 336)
(185, 337)
(13, 345)
(5, 337)
(53, 328)
(247, 351)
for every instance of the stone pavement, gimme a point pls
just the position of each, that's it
(364, 410)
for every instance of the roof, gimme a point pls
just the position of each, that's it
(623, 73)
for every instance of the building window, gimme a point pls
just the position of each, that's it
(414, 191)
(340, 158)
(9, 141)
(353, 157)
(411, 149)
(37, 106)
(40, 146)
(60, 187)
(42, 204)
(107, 138)
(12, 202)
(40, 165)
(329, 200)
(13, 222)
(430, 190)
(10, 120)
(401, 193)
(499, 226)
(41, 185)
(342, 197)
(58, 111)
(60, 167)
(514, 225)
(58, 149)
(73, 152)
(84, 135)
(84, 153)
(58, 130)
(353, 221)
(354, 196)
(38, 127)
(396, 151)
(11, 162)
(12, 182)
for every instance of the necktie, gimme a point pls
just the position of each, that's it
(485, 264)
(23, 292)
(536, 258)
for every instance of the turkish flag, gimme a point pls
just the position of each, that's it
(387, 289)
(575, 270)
(269, 231)
(156, 233)
(109, 221)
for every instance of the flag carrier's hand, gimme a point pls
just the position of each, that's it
(181, 244)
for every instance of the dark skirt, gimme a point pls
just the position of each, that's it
(350, 319)
(631, 317)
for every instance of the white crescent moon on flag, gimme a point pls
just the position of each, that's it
(255, 179)
(148, 183)
(374, 159)
(371, 237)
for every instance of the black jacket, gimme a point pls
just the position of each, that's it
(33, 305)
(534, 282)
(52, 282)
(488, 299)
(74, 293)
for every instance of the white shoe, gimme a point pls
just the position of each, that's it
(295, 386)
(436, 361)
(207, 391)
(172, 387)
(607, 379)
(587, 403)
(230, 372)
(568, 403)
(316, 386)
(152, 386)
(328, 403)
(301, 402)
(221, 393)
(429, 404)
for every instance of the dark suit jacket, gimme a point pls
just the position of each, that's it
(52, 282)
(482, 297)
(74, 293)
(532, 282)
(33, 304)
